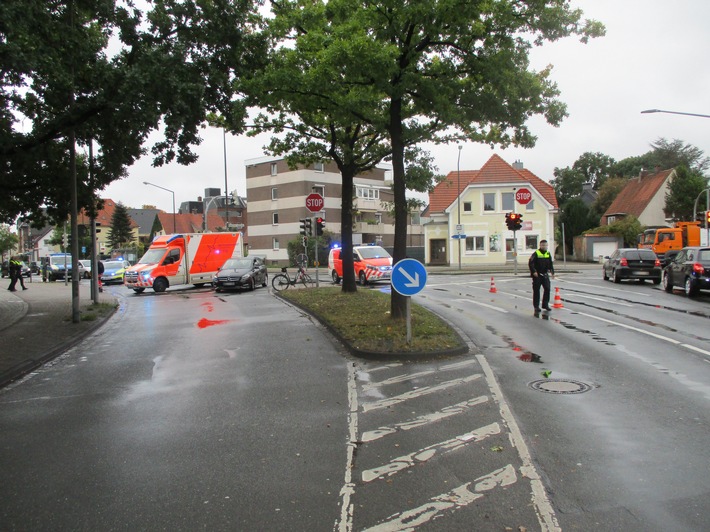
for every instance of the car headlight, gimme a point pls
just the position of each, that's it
(246, 277)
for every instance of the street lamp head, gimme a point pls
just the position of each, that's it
(650, 111)
(460, 147)
(146, 183)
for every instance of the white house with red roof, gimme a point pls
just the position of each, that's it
(481, 199)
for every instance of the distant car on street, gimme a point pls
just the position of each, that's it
(690, 269)
(85, 269)
(26, 271)
(114, 270)
(246, 272)
(632, 263)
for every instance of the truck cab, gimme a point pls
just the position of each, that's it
(663, 239)
(372, 264)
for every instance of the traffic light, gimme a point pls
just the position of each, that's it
(320, 226)
(65, 239)
(304, 241)
(303, 226)
(514, 221)
(707, 218)
(309, 227)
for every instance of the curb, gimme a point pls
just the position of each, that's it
(462, 349)
(20, 370)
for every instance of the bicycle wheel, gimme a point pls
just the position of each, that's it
(306, 280)
(280, 282)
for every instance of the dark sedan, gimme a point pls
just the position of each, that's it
(632, 263)
(689, 269)
(241, 273)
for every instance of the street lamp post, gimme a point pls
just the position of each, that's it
(206, 208)
(647, 111)
(458, 202)
(173, 193)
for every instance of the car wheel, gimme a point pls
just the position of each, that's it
(641, 281)
(657, 281)
(139, 290)
(667, 284)
(617, 279)
(336, 278)
(160, 285)
(363, 279)
(690, 288)
(604, 275)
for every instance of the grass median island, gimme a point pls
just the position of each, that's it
(363, 320)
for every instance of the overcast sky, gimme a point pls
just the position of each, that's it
(654, 56)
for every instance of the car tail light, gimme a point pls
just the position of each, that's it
(624, 262)
(657, 263)
(698, 268)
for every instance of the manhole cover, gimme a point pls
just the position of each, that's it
(560, 386)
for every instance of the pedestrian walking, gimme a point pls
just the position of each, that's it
(541, 268)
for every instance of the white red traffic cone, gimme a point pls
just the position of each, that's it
(558, 300)
(493, 289)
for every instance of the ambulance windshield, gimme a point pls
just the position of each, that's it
(152, 256)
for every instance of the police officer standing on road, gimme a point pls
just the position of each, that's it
(541, 268)
(15, 271)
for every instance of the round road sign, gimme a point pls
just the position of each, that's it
(523, 196)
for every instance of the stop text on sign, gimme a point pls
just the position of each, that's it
(523, 196)
(314, 202)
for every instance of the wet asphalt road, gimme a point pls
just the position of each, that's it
(632, 453)
(193, 410)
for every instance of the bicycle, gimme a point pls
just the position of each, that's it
(282, 280)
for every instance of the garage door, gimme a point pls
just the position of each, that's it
(604, 249)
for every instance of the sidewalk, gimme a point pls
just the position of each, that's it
(35, 324)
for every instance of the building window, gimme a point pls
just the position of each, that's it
(238, 214)
(475, 244)
(275, 218)
(275, 243)
(466, 206)
(530, 206)
(416, 218)
(318, 189)
(531, 242)
(610, 219)
(378, 217)
(507, 201)
(274, 193)
(368, 193)
(274, 168)
(489, 201)
(318, 167)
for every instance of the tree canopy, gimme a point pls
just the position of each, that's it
(683, 189)
(121, 233)
(111, 73)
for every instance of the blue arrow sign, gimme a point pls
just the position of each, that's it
(408, 277)
(458, 236)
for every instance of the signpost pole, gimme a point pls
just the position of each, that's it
(409, 319)
(315, 250)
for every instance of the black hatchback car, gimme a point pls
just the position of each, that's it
(690, 269)
(632, 263)
(241, 273)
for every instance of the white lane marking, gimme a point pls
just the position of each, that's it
(543, 508)
(619, 303)
(453, 500)
(396, 380)
(390, 401)
(631, 328)
(452, 410)
(606, 289)
(697, 349)
(427, 453)
(458, 365)
(345, 522)
(492, 307)
(388, 366)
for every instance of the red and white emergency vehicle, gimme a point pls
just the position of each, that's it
(182, 259)
(372, 264)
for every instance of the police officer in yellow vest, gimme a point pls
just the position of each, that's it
(541, 268)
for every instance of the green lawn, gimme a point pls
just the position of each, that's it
(363, 320)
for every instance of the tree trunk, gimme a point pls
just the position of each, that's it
(346, 230)
(398, 304)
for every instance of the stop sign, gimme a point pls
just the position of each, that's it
(314, 202)
(523, 196)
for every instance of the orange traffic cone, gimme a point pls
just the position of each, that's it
(493, 289)
(558, 299)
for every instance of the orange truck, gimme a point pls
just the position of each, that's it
(372, 264)
(664, 239)
(182, 259)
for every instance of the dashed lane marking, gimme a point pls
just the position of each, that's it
(608, 288)
(345, 521)
(390, 401)
(410, 376)
(451, 501)
(420, 421)
(427, 453)
(474, 302)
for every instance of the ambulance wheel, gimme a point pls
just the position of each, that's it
(336, 277)
(363, 279)
(160, 285)
(139, 290)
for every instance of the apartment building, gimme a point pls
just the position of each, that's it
(276, 196)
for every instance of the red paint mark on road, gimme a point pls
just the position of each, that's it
(208, 306)
(204, 323)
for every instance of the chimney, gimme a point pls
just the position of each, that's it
(518, 165)
(586, 186)
(199, 198)
(642, 173)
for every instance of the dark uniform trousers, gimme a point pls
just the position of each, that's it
(542, 280)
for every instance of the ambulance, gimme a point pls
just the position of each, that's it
(182, 259)
(372, 263)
